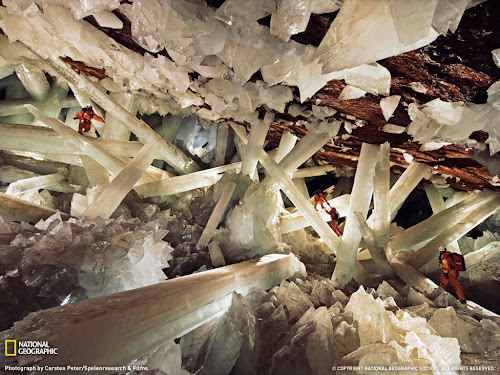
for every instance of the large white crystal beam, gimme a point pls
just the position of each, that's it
(221, 145)
(35, 183)
(287, 142)
(17, 137)
(484, 254)
(457, 231)
(112, 163)
(297, 221)
(33, 80)
(256, 140)
(180, 184)
(300, 183)
(361, 197)
(320, 170)
(52, 104)
(9, 174)
(113, 194)
(410, 275)
(303, 150)
(15, 209)
(130, 324)
(16, 106)
(291, 191)
(381, 184)
(216, 215)
(377, 252)
(459, 196)
(431, 227)
(96, 173)
(171, 154)
(114, 129)
(437, 204)
(405, 185)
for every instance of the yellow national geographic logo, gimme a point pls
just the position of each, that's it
(10, 353)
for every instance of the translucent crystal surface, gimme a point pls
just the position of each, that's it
(360, 201)
(291, 17)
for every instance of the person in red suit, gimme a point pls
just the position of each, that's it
(334, 223)
(320, 198)
(450, 274)
(85, 116)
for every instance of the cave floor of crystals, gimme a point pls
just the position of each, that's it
(181, 233)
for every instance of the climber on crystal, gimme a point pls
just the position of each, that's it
(320, 198)
(450, 273)
(85, 116)
(334, 223)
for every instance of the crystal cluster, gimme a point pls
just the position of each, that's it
(437, 122)
(308, 326)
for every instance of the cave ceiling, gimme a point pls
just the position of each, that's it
(455, 67)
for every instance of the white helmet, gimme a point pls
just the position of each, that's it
(441, 248)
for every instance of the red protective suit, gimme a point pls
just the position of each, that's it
(334, 223)
(450, 274)
(85, 116)
(319, 198)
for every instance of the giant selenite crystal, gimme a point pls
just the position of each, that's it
(360, 201)
(154, 314)
(367, 31)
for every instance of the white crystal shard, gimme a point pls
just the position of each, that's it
(179, 184)
(34, 81)
(377, 252)
(374, 322)
(52, 104)
(389, 105)
(412, 277)
(437, 204)
(256, 140)
(109, 199)
(412, 21)
(222, 139)
(35, 183)
(113, 129)
(15, 209)
(315, 139)
(495, 54)
(373, 78)
(395, 129)
(216, 255)
(96, 173)
(408, 181)
(291, 17)
(360, 202)
(241, 12)
(325, 6)
(287, 143)
(155, 314)
(447, 15)
(217, 214)
(313, 171)
(380, 222)
(106, 18)
(351, 92)
(366, 31)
